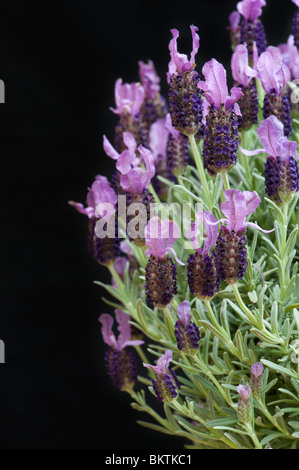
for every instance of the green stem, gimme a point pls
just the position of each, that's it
(244, 160)
(225, 180)
(201, 172)
(283, 258)
(253, 436)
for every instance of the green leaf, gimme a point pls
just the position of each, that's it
(279, 369)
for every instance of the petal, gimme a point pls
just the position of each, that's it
(195, 43)
(252, 201)
(158, 137)
(270, 132)
(89, 211)
(124, 163)
(109, 149)
(287, 149)
(108, 335)
(160, 236)
(184, 312)
(133, 181)
(149, 161)
(162, 363)
(296, 2)
(272, 72)
(177, 59)
(234, 208)
(251, 9)
(257, 227)
(167, 249)
(215, 76)
(241, 71)
(251, 153)
(236, 93)
(234, 20)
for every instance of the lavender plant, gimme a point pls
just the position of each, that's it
(211, 298)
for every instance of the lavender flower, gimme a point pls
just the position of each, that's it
(243, 75)
(129, 98)
(135, 181)
(251, 28)
(160, 271)
(154, 105)
(234, 28)
(281, 169)
(244, 407)
(166, 383)
(120, 360)
(274, 75)
(256, 379)
(101, 205)
(203, 278)
(185, 102)
(221, 130)
(186, 332)
(231, 242)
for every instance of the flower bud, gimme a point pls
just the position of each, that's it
(244, 408)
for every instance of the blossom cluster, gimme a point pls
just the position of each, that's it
(223, 310)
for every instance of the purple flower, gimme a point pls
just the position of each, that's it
(251, 9)
(244, 391)
(272, 72)
(120, 360)
(215, 87)
(186, 332)
(180, 63)
(256, 379)
(185, 99)
(166, 383)
(231, 242)
(296, 2)
(203, 277)
(128, 98)
(244, 408)
(134, 179)
(274, 75)
(241, 71)
(160, 271)
(101, 199)
(281, 169)
(257, 369)
(160, 236)
(221, 127)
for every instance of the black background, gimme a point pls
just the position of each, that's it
(59, 62)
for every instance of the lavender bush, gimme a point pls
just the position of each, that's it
(206, 295)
